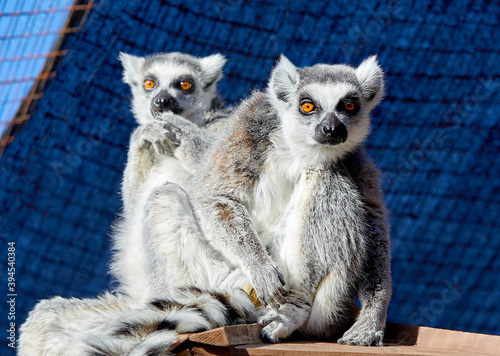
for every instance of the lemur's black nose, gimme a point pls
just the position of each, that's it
(331, 131)
(163, 101)
(339, 133)
(328, 130)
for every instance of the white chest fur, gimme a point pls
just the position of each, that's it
(270, 201)
(170, 170)
(290, 254)
(278, 212)
(272, 196)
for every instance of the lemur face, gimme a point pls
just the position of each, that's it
(173, 82)
(326, 106)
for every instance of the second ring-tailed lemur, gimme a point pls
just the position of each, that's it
(289, 197)
(169, 87)
(165, 87)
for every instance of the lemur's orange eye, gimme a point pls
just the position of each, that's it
(307, 107)
(186, 85)
(349, 105)
(149, 84)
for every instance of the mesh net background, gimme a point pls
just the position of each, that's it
(32, 38)
(436, 138)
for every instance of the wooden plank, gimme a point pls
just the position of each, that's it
(321, 348)
(229, 335)
(400, 340)
(184, 352)
(443, 339)
(224, 337)
(457, 340)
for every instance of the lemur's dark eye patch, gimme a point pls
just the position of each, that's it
(350, 106)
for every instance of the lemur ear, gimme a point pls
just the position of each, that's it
(132, 66)
(284, 79)
(371, 78)
(211, 67)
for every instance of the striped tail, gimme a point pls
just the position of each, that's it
(153, 330)
(60, 326)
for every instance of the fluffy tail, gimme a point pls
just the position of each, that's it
(114, 325)
(59, 326)
(153, 329)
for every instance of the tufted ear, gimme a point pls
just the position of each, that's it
(132, 66)
(211, 67)
(284, 79)
(371, 78)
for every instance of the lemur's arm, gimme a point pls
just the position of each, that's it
(375, 288)
(223, 189)
(172, 135)
(148, 146)
(227, 224)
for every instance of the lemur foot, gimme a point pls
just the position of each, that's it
(275, 326)
(362, 335)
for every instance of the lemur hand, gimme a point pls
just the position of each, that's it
(153, 135)
(268, 282)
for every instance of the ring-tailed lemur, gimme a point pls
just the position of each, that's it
(289, 191)
(288, 195)
(165, 87)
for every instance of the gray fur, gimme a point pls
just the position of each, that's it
(333, 220)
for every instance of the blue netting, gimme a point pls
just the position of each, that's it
(436, 137)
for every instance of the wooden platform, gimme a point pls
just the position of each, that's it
(399, 340)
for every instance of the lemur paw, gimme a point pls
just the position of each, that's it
(268, 282)
(362, 337)
(267, 318)
(155, 135)
(275, 327)
(174, 126)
